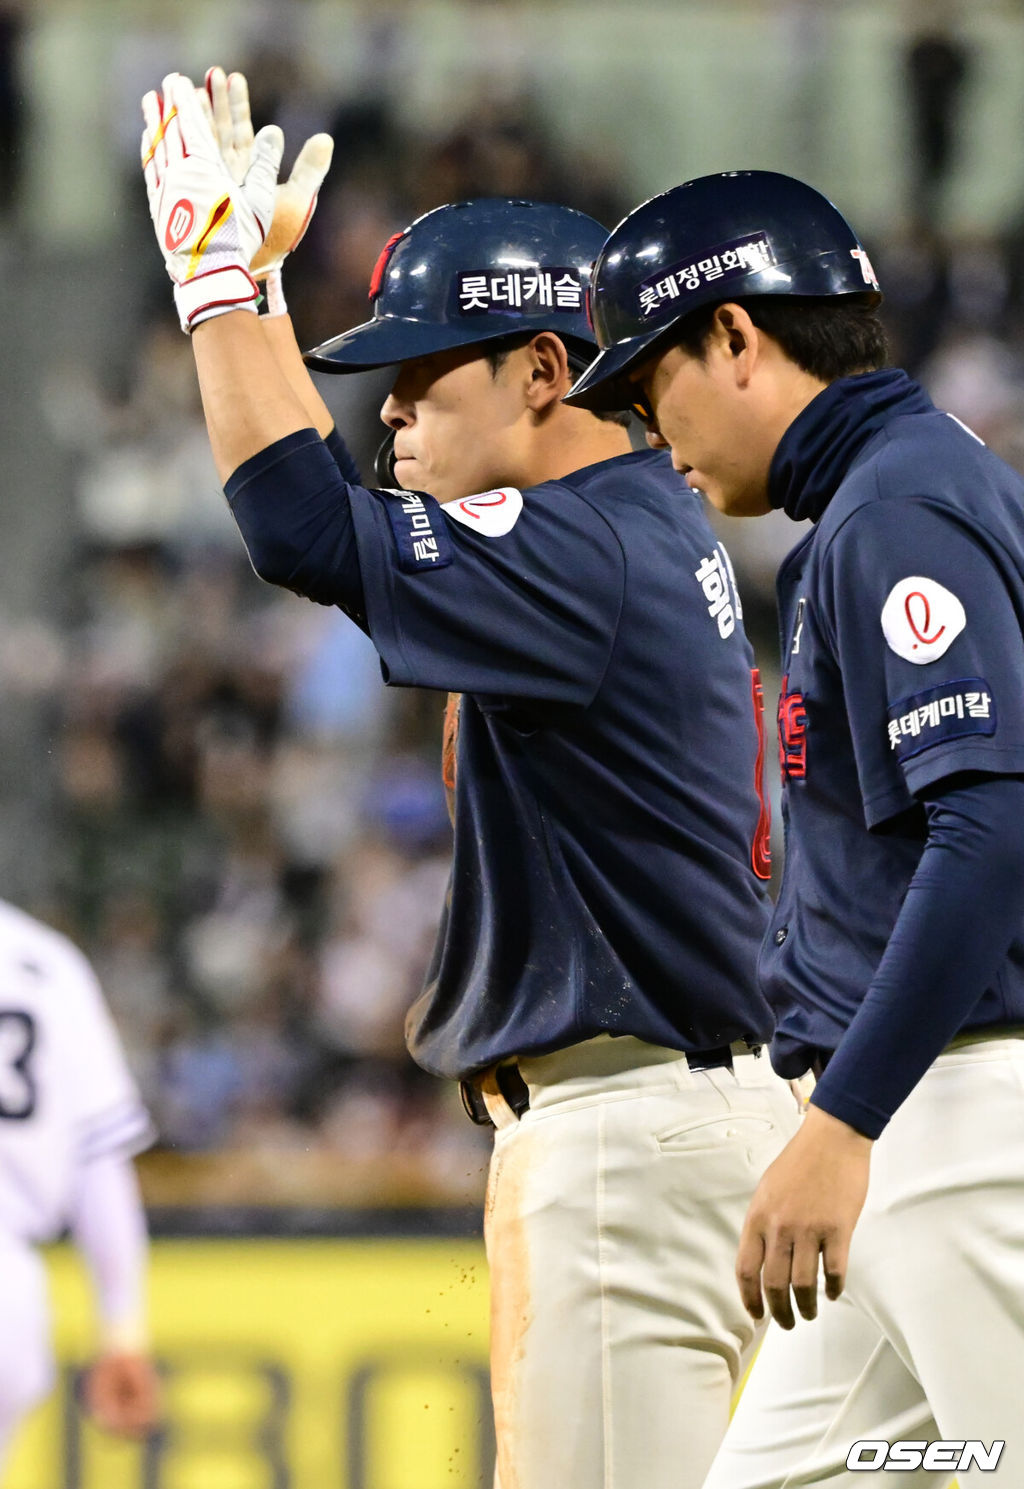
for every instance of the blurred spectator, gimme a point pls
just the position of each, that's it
(937, 66)
(12, 96)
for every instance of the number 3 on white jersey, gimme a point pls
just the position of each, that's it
(17, 1041)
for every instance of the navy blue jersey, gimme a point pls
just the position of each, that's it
(902, 621)
(610, 839)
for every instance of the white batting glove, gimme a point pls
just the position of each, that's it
(209, 226)
(225, 101)
(295, 204)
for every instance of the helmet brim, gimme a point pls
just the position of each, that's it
(378, 343)
(388, 340)
(605, 386)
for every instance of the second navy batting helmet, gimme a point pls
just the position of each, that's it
(473, 272)
(713, 239)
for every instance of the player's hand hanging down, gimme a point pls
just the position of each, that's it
(806, 1206)
(122, 1393)
(225, 101)
(209, 226)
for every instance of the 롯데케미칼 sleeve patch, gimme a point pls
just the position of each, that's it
(921, 619)
(421, 541)
(950, 711)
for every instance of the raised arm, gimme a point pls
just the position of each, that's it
(280, 336)
(210, 228)
(224, 99)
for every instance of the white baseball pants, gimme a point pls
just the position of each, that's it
(613, 1216)
(26, 1355)
(927, 1341)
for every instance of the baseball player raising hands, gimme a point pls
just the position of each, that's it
(593, 985)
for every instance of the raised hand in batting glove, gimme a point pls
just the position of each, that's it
(209, 226)
(225, 101)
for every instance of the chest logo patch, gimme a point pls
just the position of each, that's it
(492, 513)
(921, 619)
(792, 719)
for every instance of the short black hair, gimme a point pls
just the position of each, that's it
(580, 357)
(828, 337)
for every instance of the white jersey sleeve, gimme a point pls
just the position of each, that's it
(66, 1094)
(109, 1117)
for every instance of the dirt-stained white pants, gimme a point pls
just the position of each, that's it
(613, 1216)
(927, 1342)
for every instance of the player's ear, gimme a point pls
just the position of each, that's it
(735, 338)
(548, 371)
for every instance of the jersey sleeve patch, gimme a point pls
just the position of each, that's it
(492, 513)
(950, 711)
(421, 541)
(921, 619)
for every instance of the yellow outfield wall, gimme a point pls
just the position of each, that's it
(288, 1364)
(296, 1364)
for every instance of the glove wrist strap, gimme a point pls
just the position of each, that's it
(215, 293)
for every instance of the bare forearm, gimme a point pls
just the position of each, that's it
(280, 335)
(248, 400)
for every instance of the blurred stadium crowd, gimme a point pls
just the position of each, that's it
(243, 829)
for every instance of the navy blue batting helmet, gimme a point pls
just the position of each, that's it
(717, 238)
(473, 272)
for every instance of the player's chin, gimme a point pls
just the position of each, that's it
(739, 501)
(720, 500)
(409, 474)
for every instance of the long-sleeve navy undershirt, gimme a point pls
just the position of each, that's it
(291, 504)
(963, 910)
(343, 458)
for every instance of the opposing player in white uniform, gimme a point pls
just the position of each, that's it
(70, 1121)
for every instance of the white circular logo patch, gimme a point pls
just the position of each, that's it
(493, 513)
(921, 619)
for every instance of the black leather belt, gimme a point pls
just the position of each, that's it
(517, 1093)
(714, 1059)
(512, 1087)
